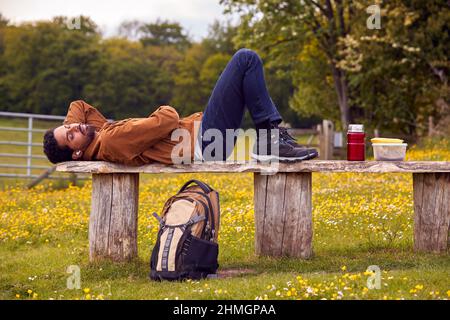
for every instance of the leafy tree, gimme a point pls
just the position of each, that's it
(163, 33)
(391, 78)
(320, 59)
(128, 81)
(3, 21)
(131, 29)
(314, 94)
(189, 95)
(276, 27)
(46, 65)
(3, 90)
(220, 38)
(403, 68)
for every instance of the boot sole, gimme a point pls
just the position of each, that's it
(266, 158)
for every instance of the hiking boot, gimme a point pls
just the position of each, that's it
(269, 147)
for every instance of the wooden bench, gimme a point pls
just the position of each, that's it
(282, 200)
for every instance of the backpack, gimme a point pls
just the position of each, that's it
(186, 246)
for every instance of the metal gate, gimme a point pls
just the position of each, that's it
(21, 138)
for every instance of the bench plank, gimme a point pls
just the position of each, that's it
(304, 166)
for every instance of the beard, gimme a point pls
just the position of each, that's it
(89, 134)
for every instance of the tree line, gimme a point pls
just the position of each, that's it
(44, 65)
(391, 77)
(321, 58)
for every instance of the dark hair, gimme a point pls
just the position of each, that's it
(53, 152)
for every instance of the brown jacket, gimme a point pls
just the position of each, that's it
(133, 141)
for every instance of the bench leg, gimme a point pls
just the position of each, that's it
(283, 214)
(431, 211)
(113, 220)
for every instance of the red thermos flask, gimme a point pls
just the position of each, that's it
(356, 149)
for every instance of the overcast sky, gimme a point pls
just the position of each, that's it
(194, 15)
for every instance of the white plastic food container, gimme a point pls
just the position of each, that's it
(389, 151)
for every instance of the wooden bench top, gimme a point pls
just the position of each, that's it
(304, 166)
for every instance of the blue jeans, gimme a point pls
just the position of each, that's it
(240, 85)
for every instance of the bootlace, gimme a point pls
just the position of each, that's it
(281, 135)
(284, 134)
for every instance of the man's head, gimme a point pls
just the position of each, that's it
(67, 142)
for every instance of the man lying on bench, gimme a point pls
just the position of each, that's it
(87, 135)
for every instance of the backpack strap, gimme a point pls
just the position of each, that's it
(204, 186)
(195, 219)
(191, 221)
(161, 221)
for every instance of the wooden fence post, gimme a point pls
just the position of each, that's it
(73, 179)
(430, 126)
(41, 177)
(376, 132)
(326, 140)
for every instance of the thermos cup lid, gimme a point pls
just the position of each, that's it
(356, 128)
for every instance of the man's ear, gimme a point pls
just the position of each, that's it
(77, 154)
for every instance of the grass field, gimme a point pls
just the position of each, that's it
(359, 220)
